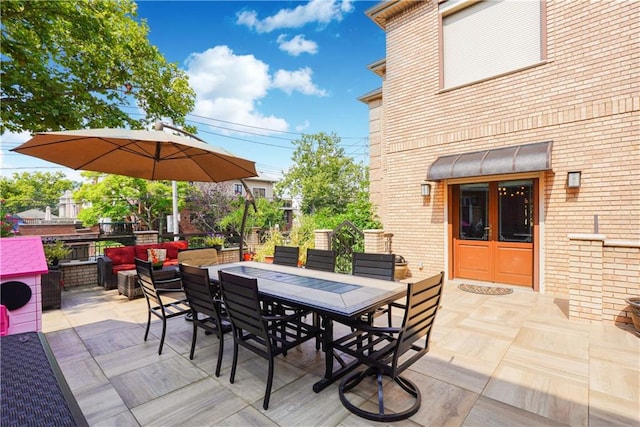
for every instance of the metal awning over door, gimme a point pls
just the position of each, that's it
(516, 159)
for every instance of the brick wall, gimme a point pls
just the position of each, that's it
(79, 274)
(602, 274)
(585, 98)
(146, 237)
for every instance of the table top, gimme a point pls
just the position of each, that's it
(324, 292)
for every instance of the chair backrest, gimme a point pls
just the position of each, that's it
(375, 266)
(144, 271)
(423, 300)
(241, 299)
(320, 259)
(286, 255)
(198, 289)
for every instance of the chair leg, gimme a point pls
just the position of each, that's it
(146, 332)
(355, 378)
(220, 351)
(267, 393)
(235, 362)
(164, 331)
(193, 340)
(389, 315)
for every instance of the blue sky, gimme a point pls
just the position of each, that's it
(264, 72)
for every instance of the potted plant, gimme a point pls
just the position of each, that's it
(216, 241)
(54, 251)
(634, 303)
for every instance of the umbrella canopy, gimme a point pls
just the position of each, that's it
(148, 154)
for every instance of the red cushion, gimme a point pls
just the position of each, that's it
(170, 261)
(141, 250)
(173, 248)
(121, 255)
(122, 267)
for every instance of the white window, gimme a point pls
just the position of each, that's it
(489, 38)
(237, 189)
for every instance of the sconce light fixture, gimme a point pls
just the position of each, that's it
(425, 189)
(573, 179)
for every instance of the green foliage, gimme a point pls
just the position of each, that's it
(360, 212)
(322, 175)
(208, 203)
(273, 237)
(118, 197)
(34, 190)
(6, 226)
(302, 235)
(73, 64)
(269, 213)
(55, 250)
(215, 239)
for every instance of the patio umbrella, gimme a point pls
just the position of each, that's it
(148, 154)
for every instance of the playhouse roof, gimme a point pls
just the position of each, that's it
(22, 256)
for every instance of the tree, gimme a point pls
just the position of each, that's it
(269, 214)
(72, 65)
(118, 197)
(208, 203)
(322, 175)
(34, 190)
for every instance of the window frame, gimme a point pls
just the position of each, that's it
(449, 8)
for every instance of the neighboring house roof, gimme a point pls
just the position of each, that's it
(262, 177)
(33, 214)
(370, 96)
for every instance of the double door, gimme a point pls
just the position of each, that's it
(494, 229)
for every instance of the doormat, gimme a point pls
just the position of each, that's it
(487, 290)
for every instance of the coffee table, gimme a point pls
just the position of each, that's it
(128, 285)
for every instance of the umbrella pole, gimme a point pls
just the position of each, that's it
(174, 194)
(248, 200)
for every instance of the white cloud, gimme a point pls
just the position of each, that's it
(228, 87)
(300, 80)
(303, 126)
(316, 11)
(297, 45)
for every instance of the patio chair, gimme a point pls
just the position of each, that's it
(286, 255)
(202, 298)
(320, 259)
(323, 260)
(155, 305)
(388, 351)
(267, 335)
(375, 266)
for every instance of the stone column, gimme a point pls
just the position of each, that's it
(322, 239)
(374, 241)
(585, 276)
(146, 237)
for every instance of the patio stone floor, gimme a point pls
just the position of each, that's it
(495, 360)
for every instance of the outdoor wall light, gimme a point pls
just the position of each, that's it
(573, 179)
(425, 189)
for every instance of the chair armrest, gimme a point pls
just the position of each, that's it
(364, 326)
(168, 284)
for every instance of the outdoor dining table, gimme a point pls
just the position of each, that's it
(333, 296)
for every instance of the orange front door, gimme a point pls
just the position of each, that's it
(493, 231)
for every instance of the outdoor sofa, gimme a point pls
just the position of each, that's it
(122, 258)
